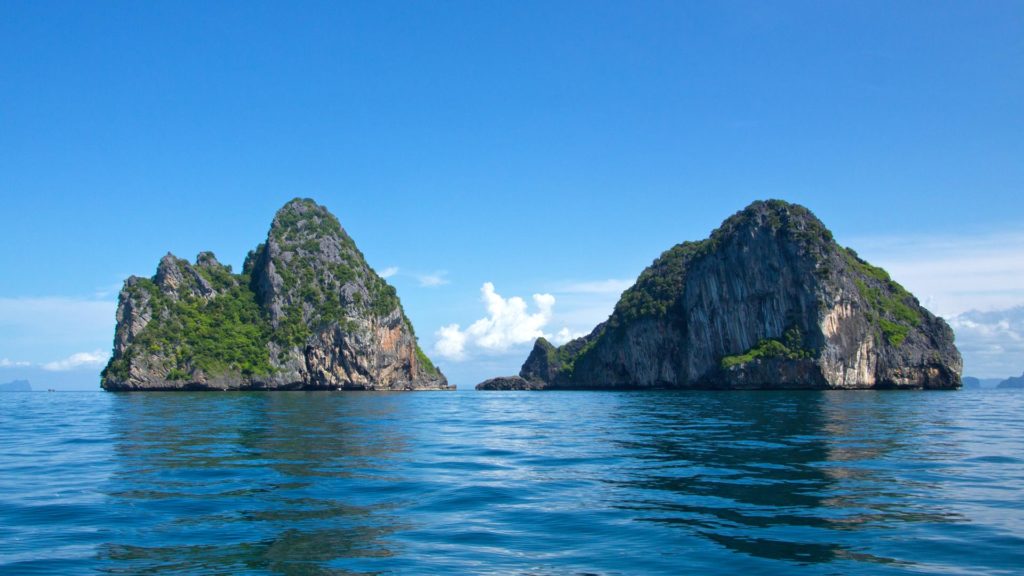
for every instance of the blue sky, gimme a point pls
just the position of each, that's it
(545, 148)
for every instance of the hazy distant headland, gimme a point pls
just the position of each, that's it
(770, 300)
(972, 382)
(1012, 382)
(16, 386)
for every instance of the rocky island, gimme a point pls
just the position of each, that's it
(1013, 382)
(770, 300)
(306, 312)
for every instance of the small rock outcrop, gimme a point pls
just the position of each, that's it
(307, 312)
(770, 300)
(1012, 382)
(509, 383)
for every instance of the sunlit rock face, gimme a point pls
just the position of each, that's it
(770, 300)
(307, 312)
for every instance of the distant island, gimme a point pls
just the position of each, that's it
(770, 300)
(973, 382)
(306, 312)
(1012, 382)
(16, 386)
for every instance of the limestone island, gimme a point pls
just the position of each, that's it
(306, 313)
(769, 301)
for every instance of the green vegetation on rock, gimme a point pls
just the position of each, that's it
(425, 363)
(790, 347)
(303, 231)
(307, 287)
(659, 286)
(891, 306)
(383, 298)
(292, 222)
(771, 265)
(225, 333)
(563, 358)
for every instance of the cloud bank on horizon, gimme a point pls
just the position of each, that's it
(990, 339)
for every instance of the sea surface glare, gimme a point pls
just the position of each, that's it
(512, 483)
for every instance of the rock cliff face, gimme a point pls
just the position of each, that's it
(307, 312)
(770, 300)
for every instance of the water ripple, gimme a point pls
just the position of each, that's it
(512, 483)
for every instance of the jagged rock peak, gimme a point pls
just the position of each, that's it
(305, 215)
(769, 300)
(176, 277)
(310, 267)
(307, 312)
(208, 259)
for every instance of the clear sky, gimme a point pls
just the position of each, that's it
(550, 148)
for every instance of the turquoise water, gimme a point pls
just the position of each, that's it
(512, 483)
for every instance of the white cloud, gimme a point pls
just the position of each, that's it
(992, 342)
(565, 335)
(508, 323)
(953, 274)
(388, 272)
(8, 363)
(451, 342)
(433, 279)
(92, 359)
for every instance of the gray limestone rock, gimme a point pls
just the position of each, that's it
(307, 312)
(770, 300)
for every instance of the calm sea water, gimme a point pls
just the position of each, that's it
(512, 483)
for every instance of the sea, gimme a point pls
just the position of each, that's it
(531, 483)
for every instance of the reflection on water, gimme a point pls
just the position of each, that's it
(780, 476)
(264, 481)
(736, 471)
(522, 483)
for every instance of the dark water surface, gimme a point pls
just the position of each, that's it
(512, 483)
